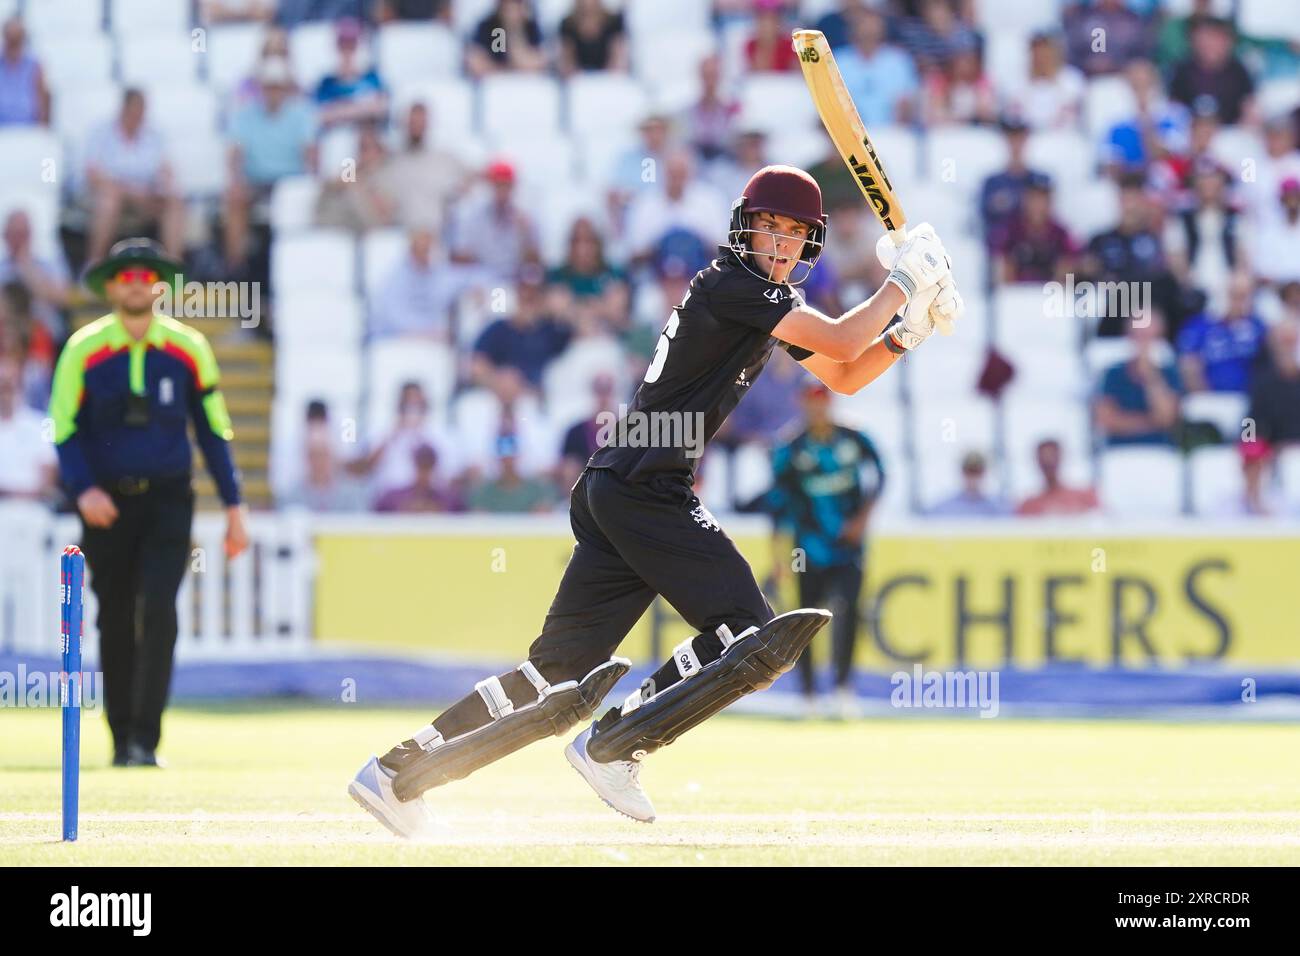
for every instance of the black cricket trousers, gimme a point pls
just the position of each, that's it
(838, 588)
(136, 567)
(636, 540)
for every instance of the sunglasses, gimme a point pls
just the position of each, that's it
(147, 276)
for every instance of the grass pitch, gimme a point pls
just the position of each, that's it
(266, 785)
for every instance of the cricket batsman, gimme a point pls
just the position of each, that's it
(641, 531)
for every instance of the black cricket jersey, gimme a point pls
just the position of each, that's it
(714, 346)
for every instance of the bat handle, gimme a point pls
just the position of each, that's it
(899, 235)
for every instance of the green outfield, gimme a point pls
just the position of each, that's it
(265, 785)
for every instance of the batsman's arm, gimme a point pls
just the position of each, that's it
(845, 338)
(846, 378)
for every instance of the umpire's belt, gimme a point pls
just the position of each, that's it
(132, 485)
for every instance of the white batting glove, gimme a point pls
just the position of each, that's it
(917, 325)
(918, 263)
(947, 306)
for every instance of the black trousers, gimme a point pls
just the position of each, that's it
(136, 567)
(636, 540)
(837, 588)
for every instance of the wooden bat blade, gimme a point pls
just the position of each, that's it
(840, 117)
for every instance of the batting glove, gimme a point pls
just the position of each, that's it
(918, 263)
(947, 306)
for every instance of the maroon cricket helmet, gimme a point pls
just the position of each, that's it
(785, 191)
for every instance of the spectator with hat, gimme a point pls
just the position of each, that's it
(125, 389)
(353, 92)
(494, 232)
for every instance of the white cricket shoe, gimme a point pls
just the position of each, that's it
(617, 783)
(372, 789)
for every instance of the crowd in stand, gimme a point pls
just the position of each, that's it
(1213, 232)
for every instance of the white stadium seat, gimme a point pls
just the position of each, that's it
(1047, 372)
(322, 260)
(519, 106)
(1101, 354)
(776, 102)
(1268, 19)
(1141, 481)
(1017, 17)
(335, 148)
(667, 62)
(328, 372)
(541, 163)
(1025, 423)
(1217, 482)
(293, 204)
(1006, 57)
(1277, 96)
(232, 54)
(1226, 411)
(751, 471)
(128, 16)
(31, 157)
(467, 14)
(660, 15)
(390, 362)
(951, 368)
(1086, 207)
(154, 58)
(313, 53)
(601, 104)
(75, 63)
(1063, 154)
(182, 109)
(416, 51)
(57, 18)
(1024, 314)
(943, 431)
(288, 424)
(199, 163)
(566, 383)
(599, 155)
(450, 103)
(318, 319)
(1109, 100)
(959, 158)
(381, 252)
(1288, 468)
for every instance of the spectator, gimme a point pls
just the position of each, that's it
(1217, 353)
(527, 341)
(593, 38)
(25, 340)
(1173, 41)
(1053, 96)
(582, 438)
(957, 91)
(880, 77)
(275, 46)
(1277, 255)
(325, 486)
(130, 181)
(391, 463)
(639, 169)
(1002, 195)
(1033, 246)
(590, 290)
(427, 178)
(1275, 389)
(292, 13)
(358, 199)
(1212, 79)
(1158, 127)
(494, 232)
(236, 11)
(353, 93)
(511, 492)
(28, 465)
(416, 299)
(936, 36)
(1131, 252)
(46, 278)
(972, 501)
(710, 120)
(1280, 162)
(750, 153)
(271, 138)
(426, 494)
(1056, 498)
(1175, 157)
(768, 49)
(685, 203)
(675, 260)
(1138, 400)
(837, 25)
(1202, 239)
(507, 40)
(24, 98)
(1127, 37)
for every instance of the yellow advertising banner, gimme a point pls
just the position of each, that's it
(939, 600)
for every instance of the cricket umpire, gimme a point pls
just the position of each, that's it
(125, 387)
(826, 479)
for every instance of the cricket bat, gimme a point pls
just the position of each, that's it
(840, 117)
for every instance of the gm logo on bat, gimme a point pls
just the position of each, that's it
(809, 54)
(872, 189)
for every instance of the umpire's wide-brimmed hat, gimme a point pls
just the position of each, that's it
(131, 252)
